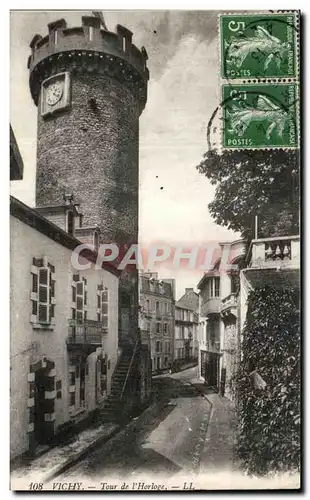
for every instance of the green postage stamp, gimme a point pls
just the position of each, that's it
(259, 45)
(260, 115)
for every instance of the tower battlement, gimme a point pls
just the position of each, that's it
(88, 48)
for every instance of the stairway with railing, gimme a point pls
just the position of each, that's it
(114, 409)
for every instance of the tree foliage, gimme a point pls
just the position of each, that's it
(256, 182)
(269, 419)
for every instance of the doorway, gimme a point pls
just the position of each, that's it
(39, 404)
(157, 363)
(212, 370)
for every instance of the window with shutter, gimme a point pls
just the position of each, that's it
(72, 399)
(80, 301)
(105, 308)
(34, 283)
(34, 307)
(42, 292)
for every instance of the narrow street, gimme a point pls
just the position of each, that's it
(168, 439)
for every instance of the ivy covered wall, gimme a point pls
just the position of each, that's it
(269, 417)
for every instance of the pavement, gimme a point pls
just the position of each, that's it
(57, 459)
(178, 436)
(187, 430)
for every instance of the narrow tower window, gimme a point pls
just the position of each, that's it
(91, 33)
(124, 44)
(55, 37)
(70, 223)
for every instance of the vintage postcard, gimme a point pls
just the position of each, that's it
(155, 250)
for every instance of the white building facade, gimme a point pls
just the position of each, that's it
(219, 321)
(64, 331)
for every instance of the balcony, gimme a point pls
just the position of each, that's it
(85, 335)
(211, 306)
(275, 253)
(229, 305)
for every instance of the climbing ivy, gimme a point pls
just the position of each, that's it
(269, 418)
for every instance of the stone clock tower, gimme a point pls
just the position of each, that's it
(90, 86)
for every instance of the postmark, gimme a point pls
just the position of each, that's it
(259, 46)
(260, 116)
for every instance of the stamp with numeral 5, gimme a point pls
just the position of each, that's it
(259, 46)
(260, 116)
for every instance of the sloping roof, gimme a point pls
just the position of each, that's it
(35, 220)
(190, 300)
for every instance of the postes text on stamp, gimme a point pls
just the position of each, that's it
(260, 116)
(258, 46)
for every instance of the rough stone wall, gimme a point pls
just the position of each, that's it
(93, 153)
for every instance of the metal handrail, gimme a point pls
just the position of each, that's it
(129, 368)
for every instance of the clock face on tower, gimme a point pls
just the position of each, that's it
(54, 93)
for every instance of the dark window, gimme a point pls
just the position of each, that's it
(157, 327)
(52, 310)
(79, 288)
(70, 223)
(79, 316)
(103, 367)
(85, 315)
(85, 298)
(58, 385)
(34, 307)
(96, 240)
(43, 318)
(52, 268)
(98, 317)
(235, 283)
(58, 395)
(42, 293)
(216, 287)
(53, 288)
(72, 378)
(104, 308)
(79, 303)
(98, 302)
(73, 313)
(77, 371)
(43, 276)
(82, 394)
(73, 294)
(72, 398)
(37, 262)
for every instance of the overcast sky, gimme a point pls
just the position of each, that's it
(183, 92)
